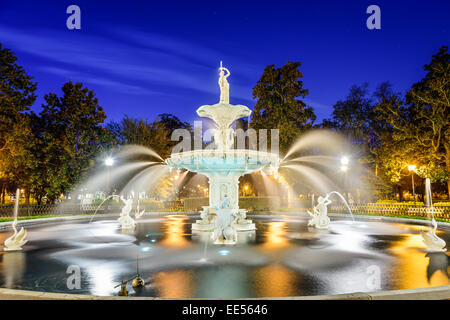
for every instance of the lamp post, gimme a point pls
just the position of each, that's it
(108, 163)
(412, 168)
(344, 167)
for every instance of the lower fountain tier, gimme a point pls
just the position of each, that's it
(223, 169)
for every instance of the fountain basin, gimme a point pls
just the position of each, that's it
(175, 264)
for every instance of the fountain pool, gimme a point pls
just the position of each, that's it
(283, 258)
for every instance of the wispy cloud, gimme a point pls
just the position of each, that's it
(152, 60)
(89, 79)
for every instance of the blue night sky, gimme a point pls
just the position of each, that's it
(143, 58)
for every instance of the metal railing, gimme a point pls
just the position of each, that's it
(397, 210)
(7, 211)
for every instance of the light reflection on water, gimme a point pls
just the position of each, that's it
(282, 258)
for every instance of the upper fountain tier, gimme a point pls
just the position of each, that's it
(224, 160)
(224, 113)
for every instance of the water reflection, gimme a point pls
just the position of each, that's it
(275, 235)
(175, 231)
(282, 258)
(13, 267)
(102, 280)
(438, 262)
(283, 281)
(411, 265)
(174, 284)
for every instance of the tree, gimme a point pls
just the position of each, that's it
(155, 135)
(17, 94)
(357, 119)
(69, 136)
(279, 106)
(421, 123)
(350, 116)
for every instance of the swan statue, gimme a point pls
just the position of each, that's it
(17, 240)
(431, 240)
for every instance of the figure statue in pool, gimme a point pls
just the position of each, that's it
(225, 233)
(319, 217)
(125, 220)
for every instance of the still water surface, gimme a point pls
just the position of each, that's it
(282, 258)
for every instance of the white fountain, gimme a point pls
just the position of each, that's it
(224, 165)
(431, 240)
(225, 226)
(319, 216)
(126, 222)
(17, 240)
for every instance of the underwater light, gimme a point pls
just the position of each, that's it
(224, 252)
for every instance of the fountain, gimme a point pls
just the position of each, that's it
(319, 216)
(224, 165)
(126, 222)
(17, 240)
(431, 240)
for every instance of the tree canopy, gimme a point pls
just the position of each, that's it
(279, 106)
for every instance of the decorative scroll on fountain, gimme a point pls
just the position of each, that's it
(224, 165)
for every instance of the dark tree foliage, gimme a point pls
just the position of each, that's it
(17, 94)
(279, 106)
(155, 135)
(69, 136)
(421, 123)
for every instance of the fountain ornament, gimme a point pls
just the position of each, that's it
(431, 240)
(17, 240)
(319, 216)
(125, 220)
(225, 230)
(223, 165)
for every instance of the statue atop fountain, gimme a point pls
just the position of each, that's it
(224, 85)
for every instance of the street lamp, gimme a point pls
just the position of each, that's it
(412, 168)
(108, 163)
